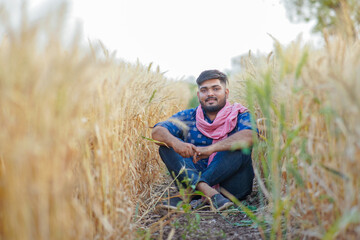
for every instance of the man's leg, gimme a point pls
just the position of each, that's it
(233, 171)
(206, 189)
(179, 167)
(175, 164)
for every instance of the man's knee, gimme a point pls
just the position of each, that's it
(166, 153)
(242, 155)
(163, 149)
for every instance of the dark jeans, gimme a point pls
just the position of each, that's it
(231, 170)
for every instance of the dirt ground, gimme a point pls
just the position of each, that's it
(202, 224)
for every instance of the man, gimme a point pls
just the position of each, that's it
(205, 145)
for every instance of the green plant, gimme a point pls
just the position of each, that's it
(302, 99)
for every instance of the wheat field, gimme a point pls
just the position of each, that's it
(308, 158)
(75, 162)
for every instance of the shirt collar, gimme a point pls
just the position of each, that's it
(206, 117)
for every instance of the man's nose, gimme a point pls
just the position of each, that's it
(210, 92)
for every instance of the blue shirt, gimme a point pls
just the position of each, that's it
(191, 134)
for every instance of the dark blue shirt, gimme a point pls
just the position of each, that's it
(186, 129)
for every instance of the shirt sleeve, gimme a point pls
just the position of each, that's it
(244, 122)
(174, 125)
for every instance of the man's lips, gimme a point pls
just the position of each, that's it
(211, 100)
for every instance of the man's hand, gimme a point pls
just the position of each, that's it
(186, 150)
(161, 134)
(202, 152)
(234, 142)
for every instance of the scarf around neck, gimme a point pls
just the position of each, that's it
(224, 122)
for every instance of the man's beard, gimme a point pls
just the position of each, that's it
(215, 108)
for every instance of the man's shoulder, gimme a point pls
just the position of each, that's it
(187, 113)
(245, 113)
(244, 120)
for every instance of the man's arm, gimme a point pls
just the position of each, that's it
(161, 134)
(238, 140)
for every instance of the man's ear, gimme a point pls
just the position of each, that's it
(198, 95)
(227, 93)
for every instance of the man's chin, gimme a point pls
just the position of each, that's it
(211, 108)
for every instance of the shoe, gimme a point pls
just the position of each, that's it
(173, 203)
(220, 202)
(197, 203)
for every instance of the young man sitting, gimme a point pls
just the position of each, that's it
(210, 147)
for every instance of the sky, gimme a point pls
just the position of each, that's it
(184, 37)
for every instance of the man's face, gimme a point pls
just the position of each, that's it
(212, 95)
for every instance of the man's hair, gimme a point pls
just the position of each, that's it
(211, 74)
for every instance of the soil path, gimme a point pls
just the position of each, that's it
(204, 224)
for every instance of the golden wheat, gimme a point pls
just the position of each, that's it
(309, 161)
(74, 164)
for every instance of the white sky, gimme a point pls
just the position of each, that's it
(184, 37)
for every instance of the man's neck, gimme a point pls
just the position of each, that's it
(211, 115)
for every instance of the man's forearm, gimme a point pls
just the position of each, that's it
(239, 140)
(161, 134)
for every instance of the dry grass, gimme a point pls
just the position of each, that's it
(308, 103)
(73, 163)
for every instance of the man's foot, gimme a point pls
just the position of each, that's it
(220, 202)
(197, 203)
(173, 203)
